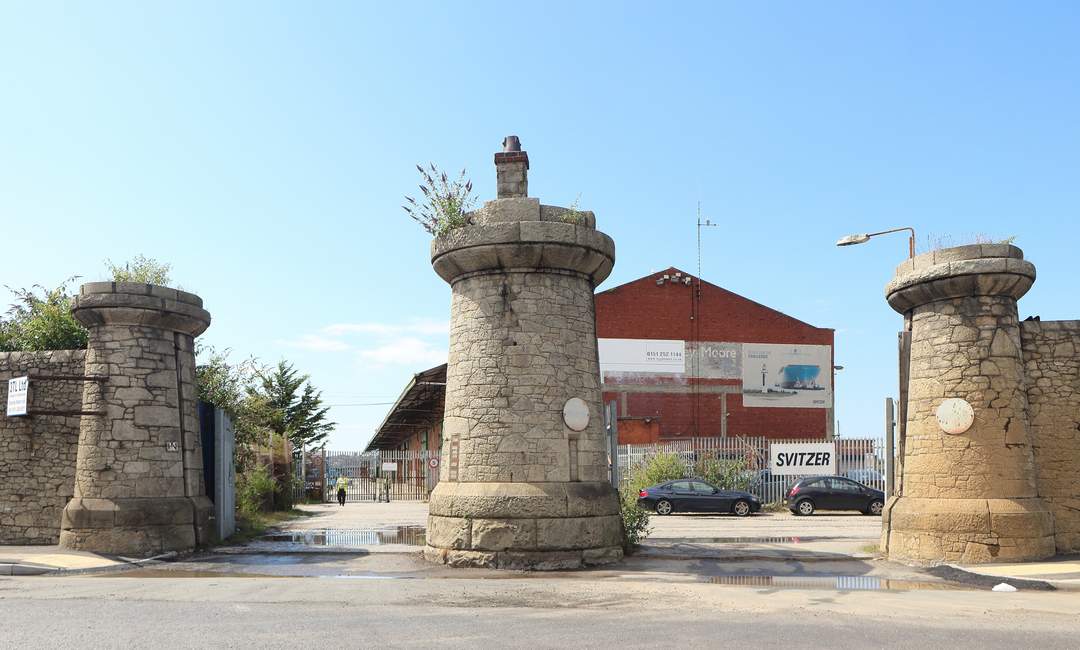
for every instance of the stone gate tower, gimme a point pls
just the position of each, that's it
(970, 495)
(523, 480)
(138, 474)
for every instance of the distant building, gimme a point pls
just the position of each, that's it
(680, 358)
(415, 420)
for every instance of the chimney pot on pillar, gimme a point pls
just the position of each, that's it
(512, 169)
(523, 482)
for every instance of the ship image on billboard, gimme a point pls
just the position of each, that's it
(786, 376)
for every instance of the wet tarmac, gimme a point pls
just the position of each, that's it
(351, 538)
(748, 540)
(832, 583)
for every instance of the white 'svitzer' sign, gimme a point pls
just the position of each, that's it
(389, 467)
(18, 388)
(802, 458)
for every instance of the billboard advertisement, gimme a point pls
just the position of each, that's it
(712, 360)
(641, 355)
(786, 376)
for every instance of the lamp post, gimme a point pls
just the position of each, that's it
(836, 425)
(904, 350)
(851, 240)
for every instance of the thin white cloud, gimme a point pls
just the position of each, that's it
(316, 343)
(419, 327)
(408, 351)
(380, 343)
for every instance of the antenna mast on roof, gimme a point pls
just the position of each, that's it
(701, 223)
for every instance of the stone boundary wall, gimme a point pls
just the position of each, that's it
(37, 454)
(1052, 367)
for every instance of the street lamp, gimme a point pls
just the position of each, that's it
(905, 357)
(851, 240)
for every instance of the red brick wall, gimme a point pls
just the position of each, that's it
(636, 431)
(643, 310)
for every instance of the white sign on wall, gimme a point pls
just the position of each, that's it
(802, 458)
(787, 376)
(18, 389)
(642, 355)
(389, 467)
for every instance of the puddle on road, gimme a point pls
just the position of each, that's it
(831, 583)
(363, 577)
(746, 540)
(346, 538)
(181, 573)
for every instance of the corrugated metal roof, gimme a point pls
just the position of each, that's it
(419, 406)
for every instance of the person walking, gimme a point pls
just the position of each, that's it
(341, 485)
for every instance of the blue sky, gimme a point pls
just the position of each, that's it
(263, 149)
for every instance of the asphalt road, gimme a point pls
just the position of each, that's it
(515, 610)
(384, 595)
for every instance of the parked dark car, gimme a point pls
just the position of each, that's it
(865, 476)
(695, 495)
(833, 493)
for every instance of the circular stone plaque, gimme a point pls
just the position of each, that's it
(955, 415)
(575, 413)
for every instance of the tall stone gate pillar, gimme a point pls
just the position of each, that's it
(138, 478)
(967, 494)
(523, 480)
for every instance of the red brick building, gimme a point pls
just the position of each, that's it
(682, 357)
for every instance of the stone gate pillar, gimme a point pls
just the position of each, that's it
(138, 479)
(968, 496)
(524, 472)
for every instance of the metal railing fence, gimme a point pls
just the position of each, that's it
(861, 459)
(368, 476)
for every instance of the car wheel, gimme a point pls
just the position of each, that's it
(663, 507)
(805, 507)
(741, 508)
(875, 508)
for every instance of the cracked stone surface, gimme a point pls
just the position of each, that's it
(973, 497)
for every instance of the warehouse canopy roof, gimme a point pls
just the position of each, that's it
(420, 406)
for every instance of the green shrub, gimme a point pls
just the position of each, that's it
(723, 473)
(142, 269)
(635, 520)
(255, 490)
(658, 468)
(41, 319)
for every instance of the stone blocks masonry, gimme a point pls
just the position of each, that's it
(520, 488)
(982, 495)
(138, 475)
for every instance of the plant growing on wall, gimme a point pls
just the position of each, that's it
(142, 269)
(573, 215)
(444, 203)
